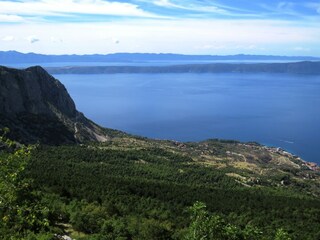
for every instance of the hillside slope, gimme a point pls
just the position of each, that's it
(37, 108)
(138, 188)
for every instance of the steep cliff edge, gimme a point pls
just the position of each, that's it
(36, 107)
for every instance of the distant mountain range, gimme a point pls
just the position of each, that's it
(306, 67)
(14, 57)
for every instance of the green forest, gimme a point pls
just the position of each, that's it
(103, 191)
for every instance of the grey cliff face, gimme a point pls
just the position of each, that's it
(37, 107)
(33, 91)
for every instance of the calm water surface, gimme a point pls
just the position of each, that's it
(278, 110)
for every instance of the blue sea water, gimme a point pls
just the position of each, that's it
(273, 109)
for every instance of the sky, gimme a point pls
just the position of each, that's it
(215, 27)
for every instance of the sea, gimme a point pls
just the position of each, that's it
(279, 110)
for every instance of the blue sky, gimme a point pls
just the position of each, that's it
(177, 26)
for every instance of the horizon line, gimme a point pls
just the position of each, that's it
(164, 53)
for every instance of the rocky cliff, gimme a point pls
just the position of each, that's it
(37, 108)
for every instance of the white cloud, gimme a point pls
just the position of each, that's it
(284, 8)
(56, 40)
(8, 38)
(301, 49)
(212, 8)
(175, 36)
(10, 18)
(246, 47)
(212, 47)
(164, 3)
(230, 46)
(287, 6)
(67, 7)
(190, 7)
(312, 5)
(116, 41)
(33, 39)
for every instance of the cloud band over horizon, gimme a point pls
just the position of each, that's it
(161, 26)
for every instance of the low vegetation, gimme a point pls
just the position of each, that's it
(136, 188)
